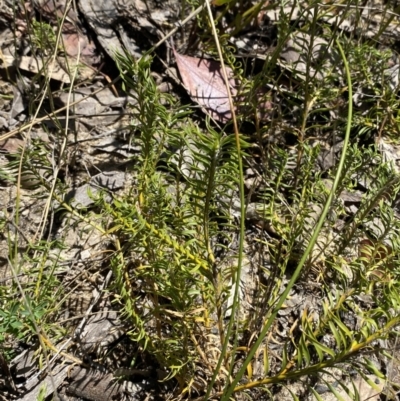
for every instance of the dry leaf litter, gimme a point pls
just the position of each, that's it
(98, 158)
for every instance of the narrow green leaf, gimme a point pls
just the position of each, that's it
(221, 2)
(316, 395)
(374, 385)
(373, 368)
(319, 348)
(343, 327)
(335, 334)
(303, 351)
(336, 393)
(294, 396)
(266, 360)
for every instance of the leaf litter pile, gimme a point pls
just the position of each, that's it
(118, 251)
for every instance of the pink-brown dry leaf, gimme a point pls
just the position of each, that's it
(204, 81)
(11, 145)
(77, 43)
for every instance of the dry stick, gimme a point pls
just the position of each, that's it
(63, 144)
(35, 325)
(180, 24)
(54, 113)
(110, 84)
(78, 330)
(34, 380)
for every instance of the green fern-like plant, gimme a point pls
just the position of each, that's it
(172, 231)
(170, 223)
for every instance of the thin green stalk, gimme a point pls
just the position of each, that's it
(236, 277)
(311, 244)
